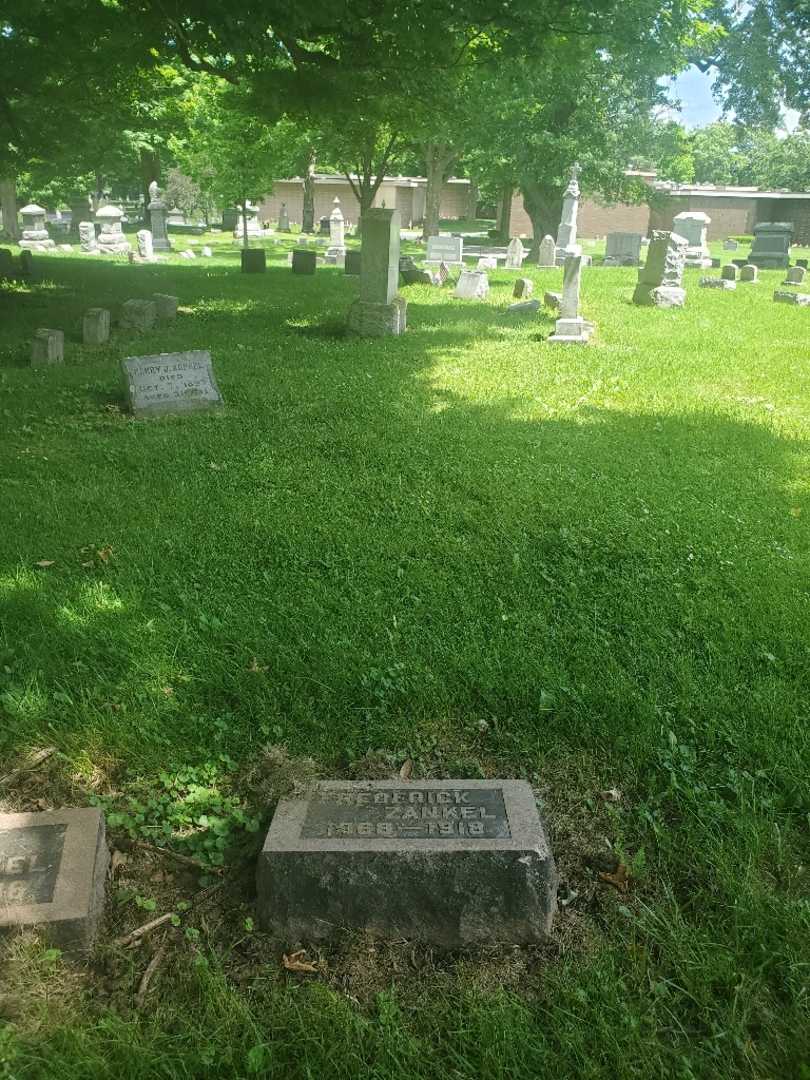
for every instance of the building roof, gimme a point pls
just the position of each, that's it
(396, 181)
(712, 191)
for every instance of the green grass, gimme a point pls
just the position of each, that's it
(587, 567)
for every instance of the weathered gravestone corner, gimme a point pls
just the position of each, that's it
(53, 866)
(450, 862)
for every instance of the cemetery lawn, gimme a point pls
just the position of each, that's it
(585, 567)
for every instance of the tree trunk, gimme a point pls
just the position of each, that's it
(505, 213)
(8, 204)
(544, 206)
(439, 158)
(308, 218)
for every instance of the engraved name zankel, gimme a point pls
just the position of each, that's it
(405, 813)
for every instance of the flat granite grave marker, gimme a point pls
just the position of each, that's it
(52, 871)
(452, 862)
(446, 249)
(170, 383)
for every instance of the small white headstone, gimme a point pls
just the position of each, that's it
(472, 285)
(515, 254)
(546, 255)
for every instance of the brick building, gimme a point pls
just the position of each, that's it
(734, 210)
(403, 193)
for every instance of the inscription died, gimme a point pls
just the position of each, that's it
(171, 382)
(407, 813)
(29, 863)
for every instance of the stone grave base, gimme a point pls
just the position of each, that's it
(37, 245)
(60, 859)
(378, 320)
(451, 862)
(662, 296)
(571, 332)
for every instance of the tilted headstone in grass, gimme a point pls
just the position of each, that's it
(52, 871)
(552, 300)
(48, 347)
(524, 287)
(546, 253)
(525, 307)
(784, 296)
(451, 862)
(771, 248)
(379, 311)
(446, 249)
(749, 273)
(170, 383)
(472, 285)
(623, 249)
(659, 280)
(571, 328)
(96, 326)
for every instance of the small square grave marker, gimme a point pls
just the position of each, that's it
(170, 383)
(52, 871)
(453, 862)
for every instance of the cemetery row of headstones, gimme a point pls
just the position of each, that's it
(369, 856)
(138, 316)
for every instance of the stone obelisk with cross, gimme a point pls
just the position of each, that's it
(567, 232)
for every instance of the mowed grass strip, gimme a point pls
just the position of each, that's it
(467, 546)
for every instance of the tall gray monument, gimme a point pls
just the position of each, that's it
(571, 328)
(158, 213)
(379, 310)
(567, 232)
